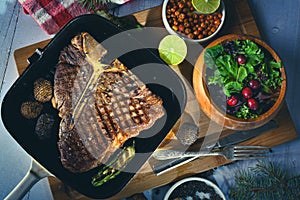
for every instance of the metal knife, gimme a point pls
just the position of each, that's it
(236, 137)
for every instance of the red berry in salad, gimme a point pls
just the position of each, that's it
(241, 59)
(252, 104)
(247, 92)
(254, 84)
(232, 101)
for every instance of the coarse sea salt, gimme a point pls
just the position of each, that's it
(203, 195)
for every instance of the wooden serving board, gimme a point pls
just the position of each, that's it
(239, 20)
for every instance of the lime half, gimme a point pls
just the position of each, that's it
(172, 49)
(206, 6)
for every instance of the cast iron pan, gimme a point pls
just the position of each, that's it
(45, 152)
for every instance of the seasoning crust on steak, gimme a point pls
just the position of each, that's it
(118, 108)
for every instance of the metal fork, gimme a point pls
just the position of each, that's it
(229, 152)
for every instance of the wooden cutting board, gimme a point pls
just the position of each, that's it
(238, 20)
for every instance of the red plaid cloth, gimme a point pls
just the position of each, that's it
(52, 15)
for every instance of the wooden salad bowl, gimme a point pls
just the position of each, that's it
(215, 113)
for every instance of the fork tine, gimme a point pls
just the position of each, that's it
(249, 157)
(250, 147)
(249, 152)
(245, 151)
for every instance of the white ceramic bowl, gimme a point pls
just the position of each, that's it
(171, 31)
(183, 181)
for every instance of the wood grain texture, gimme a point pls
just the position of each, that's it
(239, 20)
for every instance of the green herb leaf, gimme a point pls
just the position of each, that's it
(265, 88)
(242, 74)
(215, 51)
(250, 68)
(211, 54)
(251, 48)
(233, 87)
(253, 60)
(226, 92)
(245, 113)
(275, 65)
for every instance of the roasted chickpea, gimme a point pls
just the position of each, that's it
(213, 29)
(187, 30)
(186, 24)
(181, 28)
(173, 10)
(182, 18)
(217, 22)
(203, 25)
(190, 35)
(181, 4)
(200, 36)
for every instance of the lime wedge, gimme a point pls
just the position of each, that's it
(206, 6)
(172, 49)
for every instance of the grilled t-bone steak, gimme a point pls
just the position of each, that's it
(118, 108)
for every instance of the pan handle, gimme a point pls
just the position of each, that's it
(36, 173)
(34, 57)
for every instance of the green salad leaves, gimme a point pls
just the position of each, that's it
(232, 64)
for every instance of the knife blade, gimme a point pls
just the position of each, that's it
(236, 137)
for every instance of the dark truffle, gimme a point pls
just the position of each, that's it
(31, 109)
(44, 125)
(42, 90)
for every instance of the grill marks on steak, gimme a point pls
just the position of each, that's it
(124, 105)
(119, 108)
